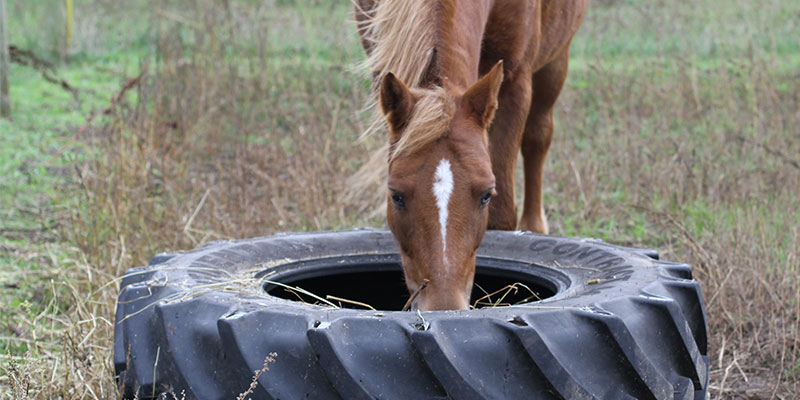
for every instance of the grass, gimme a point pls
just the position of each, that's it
(677, 130)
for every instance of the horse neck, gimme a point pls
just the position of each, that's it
(462, 30)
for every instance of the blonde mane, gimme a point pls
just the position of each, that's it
(401, 35)
(429, 121)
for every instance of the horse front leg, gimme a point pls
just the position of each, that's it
(505, 135)
(547, 84)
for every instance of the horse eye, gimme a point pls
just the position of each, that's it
(398, 200)
(486, 197)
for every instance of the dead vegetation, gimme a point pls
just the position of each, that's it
(247, 123)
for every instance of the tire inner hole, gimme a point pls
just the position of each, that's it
(381, 284)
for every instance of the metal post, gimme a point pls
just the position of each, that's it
(68, 5)
(5, 103)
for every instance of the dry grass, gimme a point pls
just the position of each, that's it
(223, 145)
(69, 340)
(247, 122)
(698, 159)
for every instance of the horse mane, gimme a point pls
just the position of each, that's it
(402, 37)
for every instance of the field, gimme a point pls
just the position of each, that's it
(678, 130)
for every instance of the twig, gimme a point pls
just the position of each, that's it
(114, 100)
(783, 357)
(508, 289)
(301, 290)
(16, 330)
(106, 111)
(29, 59)
(177, 18)
(254, 382)
(155, 368)
(770, 150)
(299, 298)
(558, 265)
(719, 288)
(579, 181)
(194, 214)
(358, 303)
(725, 376)
(415, 294)
(741, 371)
(28, 230)
(697, 247)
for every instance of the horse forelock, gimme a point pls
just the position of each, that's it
(429, 121)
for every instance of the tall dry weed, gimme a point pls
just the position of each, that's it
(700, 161)
(225, 139)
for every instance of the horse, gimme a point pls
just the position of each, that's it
(463, 86)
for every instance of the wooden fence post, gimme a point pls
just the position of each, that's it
(5, 103)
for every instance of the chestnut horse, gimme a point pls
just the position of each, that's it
(463, 85)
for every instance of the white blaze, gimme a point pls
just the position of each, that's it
(442, 189)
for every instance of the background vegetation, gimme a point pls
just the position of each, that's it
(678, 130)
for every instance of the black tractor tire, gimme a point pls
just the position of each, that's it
(612, 323)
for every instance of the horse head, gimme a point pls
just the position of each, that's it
(440, 183)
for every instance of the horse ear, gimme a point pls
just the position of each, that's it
(481, 97)
(397, 103)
